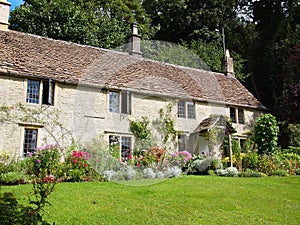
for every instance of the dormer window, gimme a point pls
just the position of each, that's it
(120, 102)
(34, 88)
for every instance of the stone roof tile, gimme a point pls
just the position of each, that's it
(30, 55)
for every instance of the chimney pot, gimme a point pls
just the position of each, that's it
(135, 42)
(4, 14)
(227, 66)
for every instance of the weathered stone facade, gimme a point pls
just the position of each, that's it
(85, 79)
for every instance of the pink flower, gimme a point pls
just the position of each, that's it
(38, 161)
(138, 165)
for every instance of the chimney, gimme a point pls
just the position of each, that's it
(135, 42)
(4, 14)
(227, 65)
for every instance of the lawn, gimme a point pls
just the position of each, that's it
(184, 200)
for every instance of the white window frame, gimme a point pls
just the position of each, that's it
(119, 139)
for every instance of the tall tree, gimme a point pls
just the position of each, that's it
(278, 30)
(98, 23)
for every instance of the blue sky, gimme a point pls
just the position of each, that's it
(15, 3)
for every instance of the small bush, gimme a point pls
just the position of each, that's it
(12, 178)
(228, 172)
(280, 173)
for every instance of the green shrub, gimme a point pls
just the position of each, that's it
(12, 212)
(13, 178)
(251, 160)
(266, 134)
(279, 172)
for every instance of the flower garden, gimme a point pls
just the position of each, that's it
(95, 162)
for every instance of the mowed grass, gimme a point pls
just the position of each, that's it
(184, 200)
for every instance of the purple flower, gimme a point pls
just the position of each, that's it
(38, 161)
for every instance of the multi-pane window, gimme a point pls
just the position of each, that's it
(120, 101)
(241, 116)
(191, 110)
(122, 144)
(237, 115)
(186, 109)
(182, 142)
(30, 141)
(33, 91)
(114, 101)
(232, 115)
(181, 108)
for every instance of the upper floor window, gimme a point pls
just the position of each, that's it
(30, 141)
(120, 102)
(186, 109)
(34, 89)
(237, 115)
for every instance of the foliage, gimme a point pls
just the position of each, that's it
(153, 157)
(166, 126)
(181, 159)
(251, 160)
(200, 166)
(228, 172)
(266, 133)
(98, 23)
(140, 128)
(12, 212)
(77, 165)
(42, 165)
(142, 133)
(47, 117)
(178, 54)
(17, 177)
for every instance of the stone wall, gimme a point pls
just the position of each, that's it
(81, 113)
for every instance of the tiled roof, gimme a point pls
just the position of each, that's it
(30, 55)
(214, 121)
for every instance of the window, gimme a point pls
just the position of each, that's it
(182, 142)
(237, 115)
(126, 102)
(186, 109)
(232, 115)
(30, 141)
(241, 116)
(121, 146)
(115, 98)
(181, 109)
(191, 110)
(48, 92)
(114, 101)
(33, 92)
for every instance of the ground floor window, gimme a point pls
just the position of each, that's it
(182, 142)
(121, 146)
(30, 141)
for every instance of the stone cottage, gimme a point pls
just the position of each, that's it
(57, 91)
